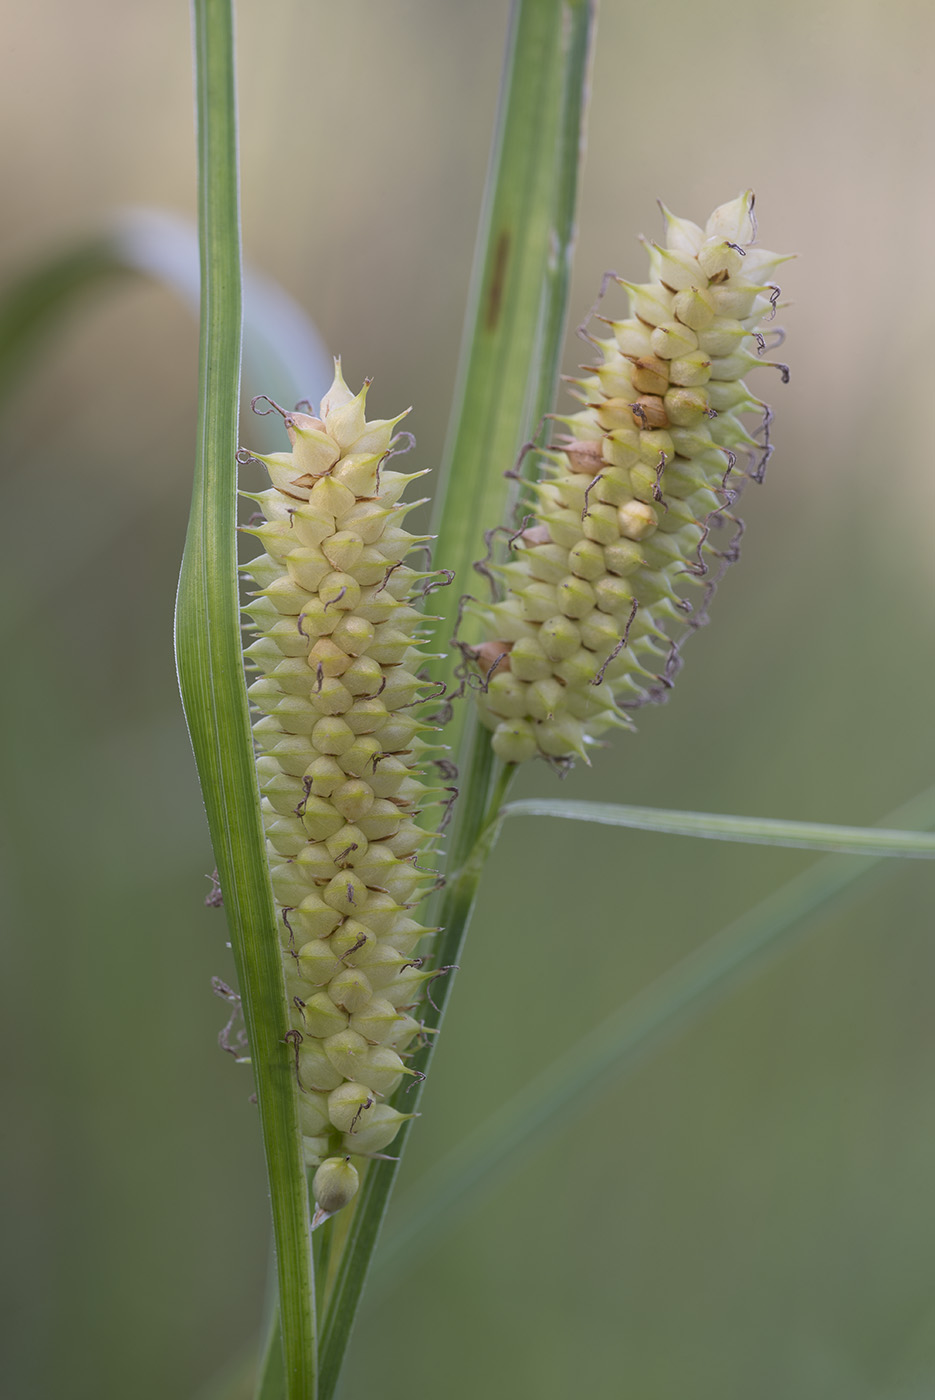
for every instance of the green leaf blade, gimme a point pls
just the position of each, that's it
(711, 826)
(621, 1042)
(213, 688)
(283, 353)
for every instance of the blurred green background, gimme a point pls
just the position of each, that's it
(749, 1215)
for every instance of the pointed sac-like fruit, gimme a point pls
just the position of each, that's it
(340, 763)
(631, 527)
(335, 1184)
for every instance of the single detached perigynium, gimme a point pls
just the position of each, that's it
(340, 755)
(622, 547)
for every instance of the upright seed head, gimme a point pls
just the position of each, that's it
(337, 658)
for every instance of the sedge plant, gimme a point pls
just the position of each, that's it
(356, 760)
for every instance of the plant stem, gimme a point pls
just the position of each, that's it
(517, 303)
(509, 367)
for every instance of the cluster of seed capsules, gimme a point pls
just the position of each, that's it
(622, 530)
(340, 761)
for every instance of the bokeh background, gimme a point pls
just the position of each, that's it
(751, 1213)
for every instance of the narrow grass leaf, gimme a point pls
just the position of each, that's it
(214, 694)
(283, 353)
(453, 1189)
(758, 831)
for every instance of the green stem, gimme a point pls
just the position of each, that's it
(214, 694)
(374, 1194)
(509, 368)
(517, 304)
(514, 334)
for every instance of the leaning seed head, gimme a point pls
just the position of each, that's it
(633, 524)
